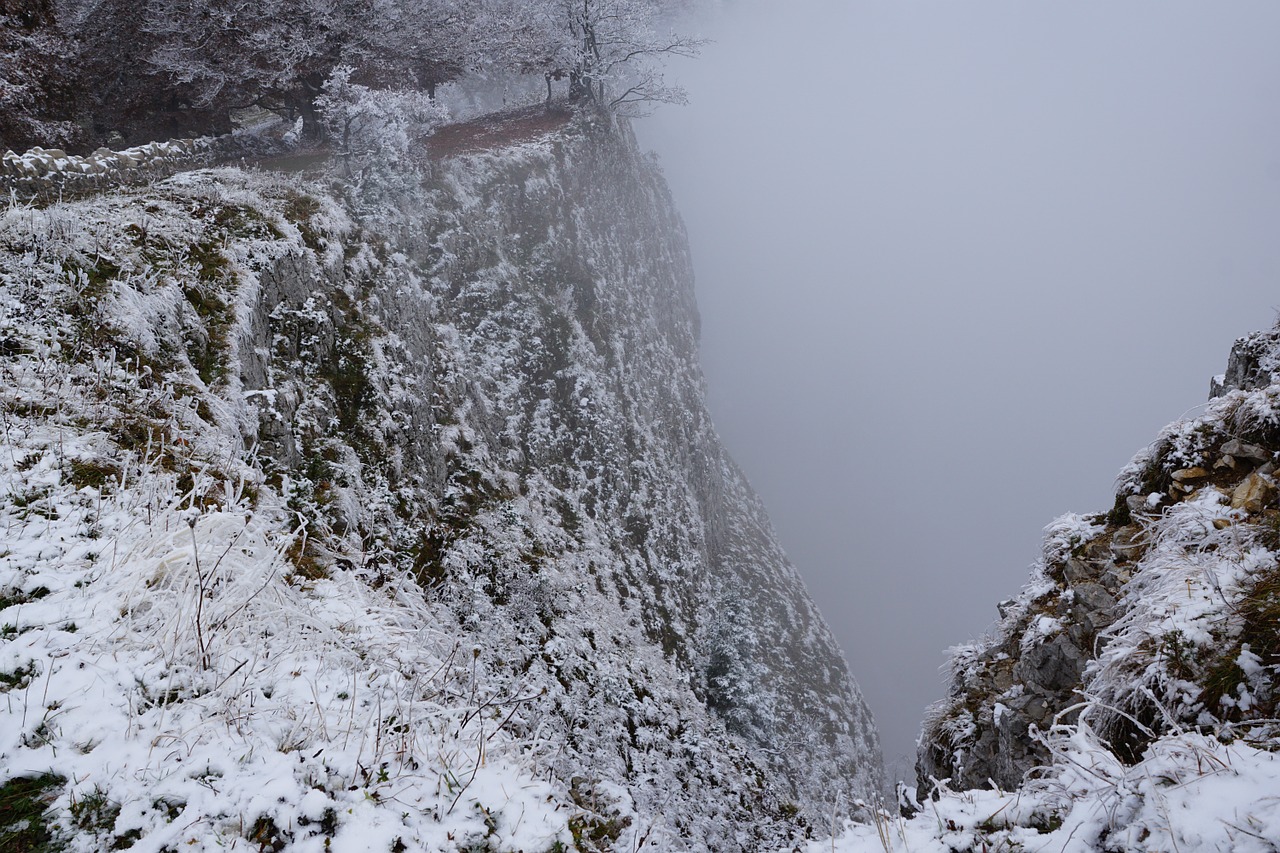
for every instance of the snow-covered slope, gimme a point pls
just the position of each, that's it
(405, 531)
(1128, 698)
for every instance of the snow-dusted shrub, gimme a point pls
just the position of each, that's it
(378, 132)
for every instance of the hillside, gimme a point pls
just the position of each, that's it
(397, 525)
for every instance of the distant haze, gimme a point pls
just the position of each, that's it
(957, 262)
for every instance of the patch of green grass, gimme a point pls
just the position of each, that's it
(428, 557)
(95, 813)
(136, 234)
(590, 833)
(31, 497)
(237, 220)
(92, 473)
(269, 837)
(1259, 612)
(306, 566)
(91, 280)
(18, 679)
(25, 824)
(1045, 823)
(208, 294)
(1268, 529)
(350, 382)
(217, 316)
(593, 830)
(10, 597)
(209, 258)
(25, 409)
(299, 209)
(135, 431)
(171, 809)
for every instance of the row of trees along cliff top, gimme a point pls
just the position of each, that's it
(146, 69)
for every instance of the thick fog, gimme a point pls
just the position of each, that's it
(957, 262)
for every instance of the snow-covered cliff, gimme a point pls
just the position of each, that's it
(1127, 699)
(406, 530)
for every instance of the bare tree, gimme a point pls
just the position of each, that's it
(619, 50)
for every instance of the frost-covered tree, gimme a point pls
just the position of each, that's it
(610, 51)
(417, 44)
(235, 53)
(375, 130)
(117, 89)
(520, 36)
(278, 53)
(735, 674)
(617, 48)
(84, 70)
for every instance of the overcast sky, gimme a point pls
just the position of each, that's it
(957, 262)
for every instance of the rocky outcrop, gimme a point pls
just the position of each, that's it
(1141, 620)
(587, 392)
(1027, 676)
(1253, 364)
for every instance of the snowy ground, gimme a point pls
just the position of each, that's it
(1191, 793)
(165, 667)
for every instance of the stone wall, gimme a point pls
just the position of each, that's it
(42, 168)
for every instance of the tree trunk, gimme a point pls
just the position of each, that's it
(310, 87)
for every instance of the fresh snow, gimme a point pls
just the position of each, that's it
(1189, 793)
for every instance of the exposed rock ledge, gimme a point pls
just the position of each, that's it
(1145, 619)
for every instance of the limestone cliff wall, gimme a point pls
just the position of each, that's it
(479, 398)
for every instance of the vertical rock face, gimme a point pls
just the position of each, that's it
(563, 286)
(570, 288)
(1158, 616)
(483, 398)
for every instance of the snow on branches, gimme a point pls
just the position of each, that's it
(372, 127)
